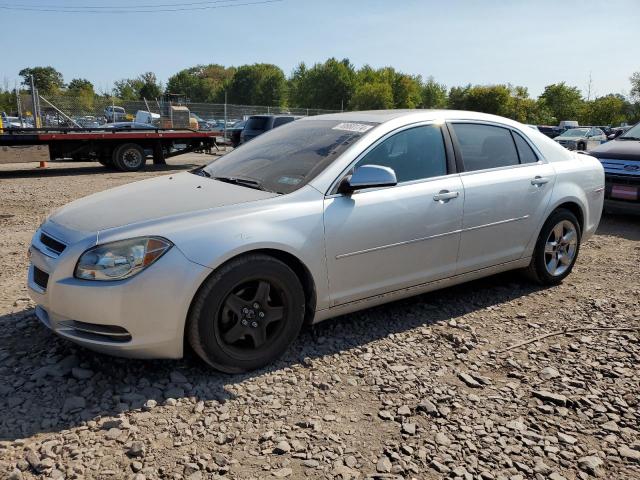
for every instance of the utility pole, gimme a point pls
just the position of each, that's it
(36, 103)
(589, 88)
(19, 105)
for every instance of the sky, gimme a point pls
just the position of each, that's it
(528, 43)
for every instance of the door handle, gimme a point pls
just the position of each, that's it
(539, 180)
(445, 196)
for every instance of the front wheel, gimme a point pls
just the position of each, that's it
(246, 314)
(556, 249)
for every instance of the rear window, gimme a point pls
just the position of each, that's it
(281, 121)
(257, 123)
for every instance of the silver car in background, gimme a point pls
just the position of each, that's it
(320, 217)
(582, 138)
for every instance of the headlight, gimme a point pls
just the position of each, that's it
(122, 259)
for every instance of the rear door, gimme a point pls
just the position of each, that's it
(507, 188)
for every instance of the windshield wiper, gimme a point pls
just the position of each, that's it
(622, 137)
(201, 172)
(245, 182)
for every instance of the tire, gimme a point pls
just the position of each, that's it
(541, 269)
(129, 157)
(233, 325)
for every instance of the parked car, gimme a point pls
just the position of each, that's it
(551, 132)
(129, 126)
(583, 138)
(568, 124)
(616, 132)
(234, 132)
(258, 124)
(114, 114)
(621, 161)
(321, 217)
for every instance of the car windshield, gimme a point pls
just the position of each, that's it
(257, 123)
(286, 158)
(633, 132)
(576, 132)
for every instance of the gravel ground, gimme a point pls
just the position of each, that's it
(421, 388)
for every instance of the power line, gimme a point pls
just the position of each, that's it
(96, 10)
(85, 7)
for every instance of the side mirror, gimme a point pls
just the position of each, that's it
(368, 176)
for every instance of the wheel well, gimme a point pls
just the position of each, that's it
(576, 210)
(299, 268)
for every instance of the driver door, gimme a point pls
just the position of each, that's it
(384, 239)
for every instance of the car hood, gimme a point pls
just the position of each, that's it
(618, 149)
(152, 199)
(560, 137)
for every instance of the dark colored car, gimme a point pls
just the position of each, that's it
(551, 132)
(258, 124)
(621, 161)
(234, 132)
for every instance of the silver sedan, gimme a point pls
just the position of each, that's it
(318, 218)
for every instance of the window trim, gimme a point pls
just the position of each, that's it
(458, 152)
(448, 150)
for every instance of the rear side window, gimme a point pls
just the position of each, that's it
(281, 121)
(413, 154)
(527, 155)
(257, 123)
(485, 146)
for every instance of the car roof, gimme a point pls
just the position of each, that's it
(382, 116)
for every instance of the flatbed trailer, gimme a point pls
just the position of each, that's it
(125, 150)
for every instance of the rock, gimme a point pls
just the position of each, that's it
(150, 404)
(81, 373)
(175, 392)
(610, 426)
(554, 398)
(629, 453)
(282, 473)
(351, 461)
(442, 439)
(404, 411)
(409, 428)
(428, 406)
(542, 468)
(15, 475)
(440, 467)
(568, 439)
(548, 373)
(385, 415)
(556, 476)
(282, 447)
(73, 404)
(590, 464)
(177, 377)
(469, 380)
(137, 449)
(136, 466)
(384, 465)
(311, 463)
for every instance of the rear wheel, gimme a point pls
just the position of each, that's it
(129, 157)
(556, 249)
(246, 314)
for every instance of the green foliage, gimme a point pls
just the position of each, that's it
(202, 83)
(607, 110)
(635, 86)
(377, 95)
(144, 86)
(564, 102)
(80, 84)
(434, 94)
(258, 84)
(8, 101)
(81, 92)
(328, 85)
(48, 80)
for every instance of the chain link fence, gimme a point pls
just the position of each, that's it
(95, 112)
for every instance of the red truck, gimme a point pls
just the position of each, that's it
(125, 150)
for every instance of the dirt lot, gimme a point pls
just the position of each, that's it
(415, 389)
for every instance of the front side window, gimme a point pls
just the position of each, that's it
(281, 121)
(413, 154)
(257, 123)
(485, 146)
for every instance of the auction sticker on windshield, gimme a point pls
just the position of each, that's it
(353, 127)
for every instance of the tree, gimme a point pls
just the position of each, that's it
(150, 88)
(80, 84)
(564, 102)
(607, 110)
(434, 95)
(48, 80)
(328, 85)
(202, 83)
(373, 96)
(81, 94)
(258, 84)
(128, 89)
(635, 86)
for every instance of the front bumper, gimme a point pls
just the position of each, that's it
(139, 317)
(612, 202)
